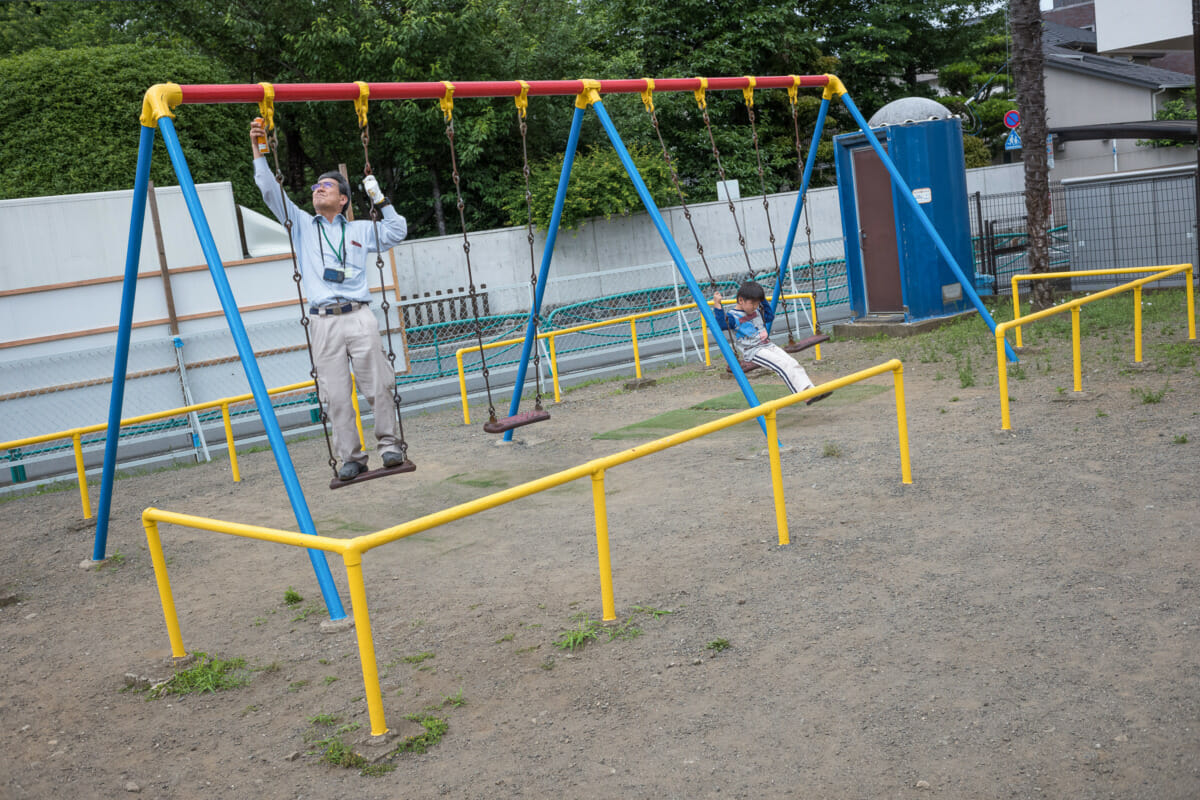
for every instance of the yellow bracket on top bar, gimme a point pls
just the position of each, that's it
(266, 106)
(793, 89)
(648, 95)
(158, 102)
(447, 101)
(590, 93)
(360, 105)
(834, 88)
(748, 92)
(700, 101)
(522, 100)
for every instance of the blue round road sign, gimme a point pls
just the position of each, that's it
(1012, 118)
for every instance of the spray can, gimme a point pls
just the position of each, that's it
(261, 141)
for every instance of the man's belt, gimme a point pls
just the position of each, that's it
(332, 310)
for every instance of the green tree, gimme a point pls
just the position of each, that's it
(69, 122)
(1182, 107)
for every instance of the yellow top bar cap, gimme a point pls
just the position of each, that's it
(522, 100)
(700, 101)
(447, 101)
(748, 92)
(834, 88)
(266, 106)
(158, 102)
(360, 105)
(590, 93)
(648, 94)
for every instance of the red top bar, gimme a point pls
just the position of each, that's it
(433, 90)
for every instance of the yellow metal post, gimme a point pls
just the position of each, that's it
(704, 338)
(366, 644)
(462, 387)
(164, 585)
(81, 473)
(1191, 301)
(229, 445)
(902, 421)
(637, 361)
(601, 510)
(554, 370)
(1075, 349)
(1016, 295)
(1002, 378)
(1137, 324)
(362, 442)
(776, 476)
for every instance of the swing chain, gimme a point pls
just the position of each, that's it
(467, 253)
(288, 224)
(384, 305)
(729, 199)
(812, 266)
(537, 363)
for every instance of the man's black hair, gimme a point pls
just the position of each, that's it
(343, 186)
(750, 290)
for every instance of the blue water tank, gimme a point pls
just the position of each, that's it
(892, 264)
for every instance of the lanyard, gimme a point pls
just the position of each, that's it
(339, 252)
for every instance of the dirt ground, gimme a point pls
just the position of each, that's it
(1022, 621)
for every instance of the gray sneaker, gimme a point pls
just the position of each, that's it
(393, 458)
(351, 470)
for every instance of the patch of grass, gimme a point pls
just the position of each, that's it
(206, 674)
(718, 645)
(966, 372)
(330, 679)
(418, 658)
(651, 611)
(455, 700)
(305, 613)
(508, 637)
(1181, 439)
(1150, 396)
(1101, 413)
(291, 597)
(324, 719)
(831, 450)
(435, 729)
(296, 686)
(575, 638)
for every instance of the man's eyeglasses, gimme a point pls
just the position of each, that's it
(325, 185)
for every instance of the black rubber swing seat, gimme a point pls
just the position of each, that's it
(790, 347)
(370, 475)
(516, 421)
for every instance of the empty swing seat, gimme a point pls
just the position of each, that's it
(382, 472)
(516, 421)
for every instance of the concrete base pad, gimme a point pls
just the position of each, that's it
(337, 625)
(892, 326)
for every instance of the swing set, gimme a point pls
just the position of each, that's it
(158, 115)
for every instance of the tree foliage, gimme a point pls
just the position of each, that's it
(878, 49)
(69, 121)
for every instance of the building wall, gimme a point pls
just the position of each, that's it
(1076, 99)
(1124, 26)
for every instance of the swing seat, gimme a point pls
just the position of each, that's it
(369, 475)
(790, 347)
(804, 344)
(516, 421)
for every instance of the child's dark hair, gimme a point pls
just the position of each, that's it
(750, 290)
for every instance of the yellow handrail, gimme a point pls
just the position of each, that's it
(76, 434)
(1038, 276)
(630, 318)
(353, 549)
(1074, 305)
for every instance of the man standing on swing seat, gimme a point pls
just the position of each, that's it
(750, 320)
(331, 253)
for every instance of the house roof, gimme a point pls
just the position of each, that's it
(1068, 49)
(1178, 130)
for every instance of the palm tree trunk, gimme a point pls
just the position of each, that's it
(1025, 24)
